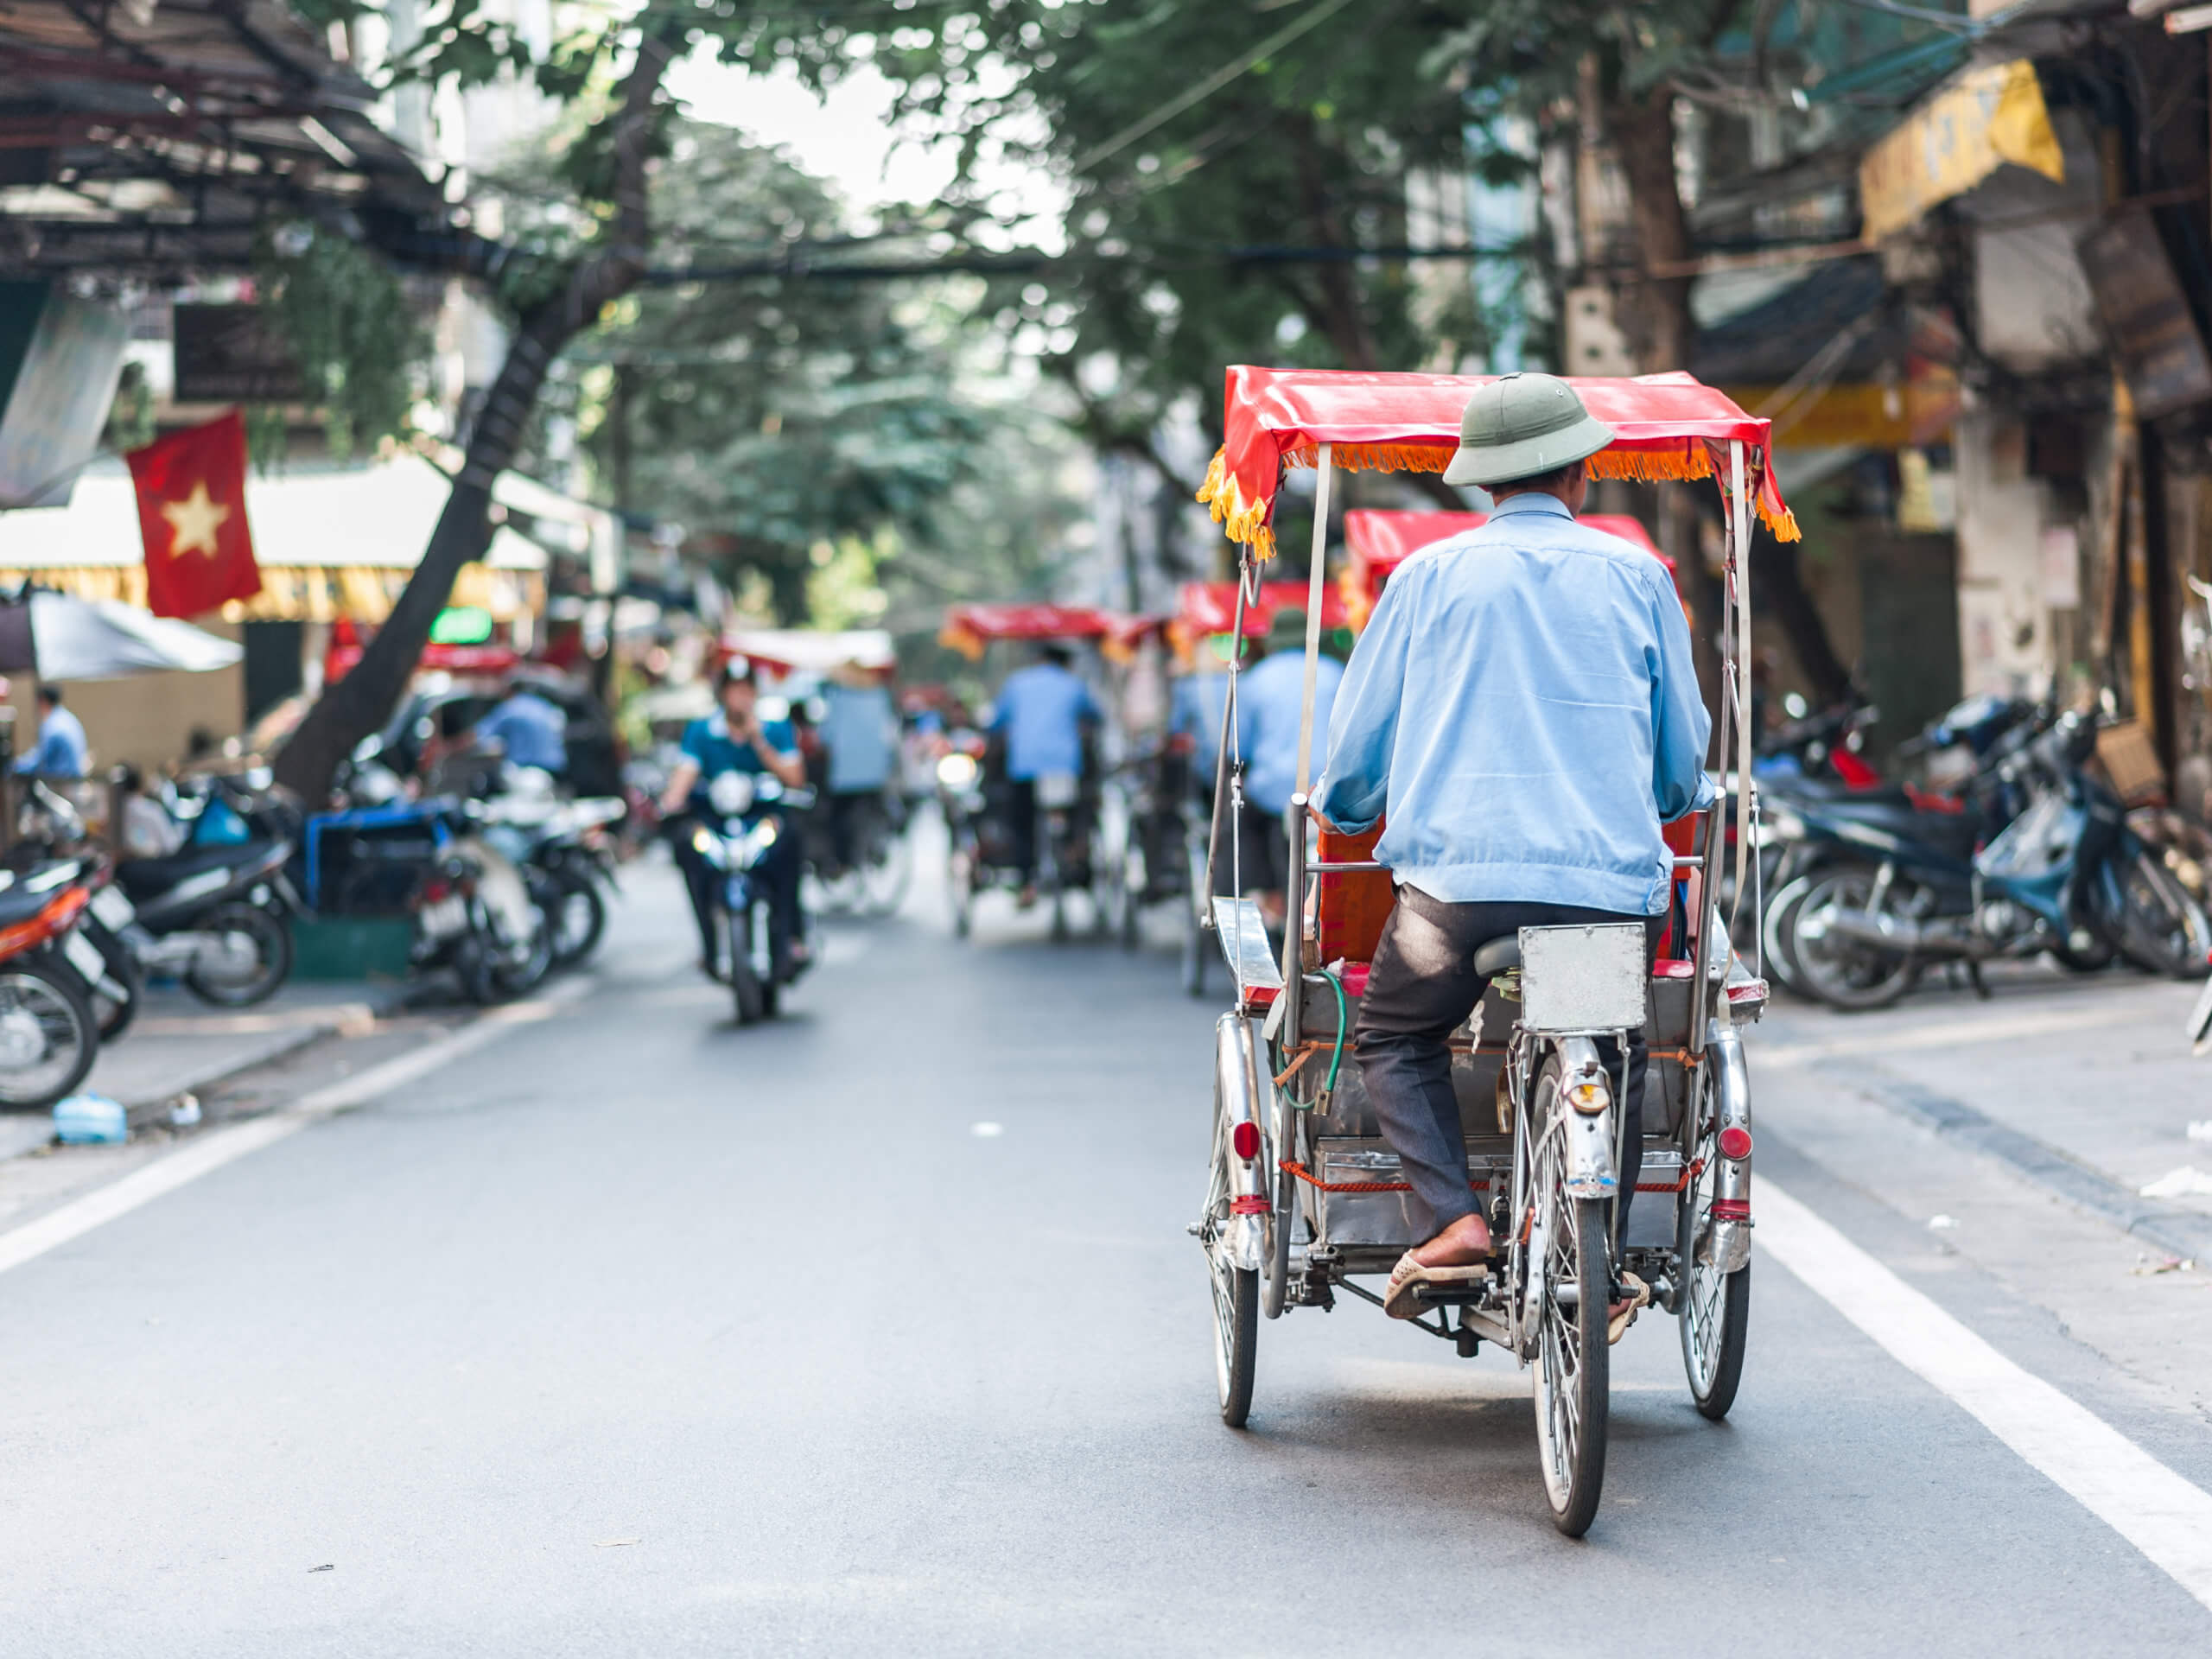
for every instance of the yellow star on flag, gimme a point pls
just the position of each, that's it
(193, 523)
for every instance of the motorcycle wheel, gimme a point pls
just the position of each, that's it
(518, 970)
(2160, 928)
(1777, 935)
(577, 915)
(1842, 972)
(749, 995)
(48, 1035)
(264, 935)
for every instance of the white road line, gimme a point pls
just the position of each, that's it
(2165, 1516)
(209, 1152)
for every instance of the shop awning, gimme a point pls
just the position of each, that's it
(331, 544)
(1978, 121)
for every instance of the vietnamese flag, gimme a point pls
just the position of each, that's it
(191, 516)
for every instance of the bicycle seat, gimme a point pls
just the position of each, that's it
(1497, 956)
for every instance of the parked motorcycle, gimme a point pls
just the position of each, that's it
(472, 906)
(2066, 875)
(49, 1035)
(561, 848)
(746, 826)
(217, 918)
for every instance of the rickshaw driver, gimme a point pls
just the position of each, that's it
(1523, 713)
(1042, 711)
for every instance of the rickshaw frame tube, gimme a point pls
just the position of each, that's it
(1237, 1079)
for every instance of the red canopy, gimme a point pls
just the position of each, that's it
(1206, 607)
(1666, 426)
(968, 628)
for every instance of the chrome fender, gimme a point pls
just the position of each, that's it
(1237, 1082)
(1592, 1171)
(1726, 1244)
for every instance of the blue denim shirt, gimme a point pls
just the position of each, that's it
(529, 730)
(1523, 710)
(61, 750)
(1270, 700)
(1043, 710)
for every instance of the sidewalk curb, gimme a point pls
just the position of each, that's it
(2183, 1232)
(144, 1112)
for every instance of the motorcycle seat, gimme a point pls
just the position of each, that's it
(19, 903)
(144, 877)
(1954, 833)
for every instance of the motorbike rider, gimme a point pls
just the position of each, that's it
(860, 726)
(735, 738)
(1043, 712)
(1524, 712)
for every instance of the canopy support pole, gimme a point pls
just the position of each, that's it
(1293, 920)
(1322, 475)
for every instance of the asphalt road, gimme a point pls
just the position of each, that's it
(632, 1332)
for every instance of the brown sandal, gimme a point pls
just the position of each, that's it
(1639, 1296)
(1398, 1298)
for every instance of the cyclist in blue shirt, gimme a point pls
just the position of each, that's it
(736, 739)
(1042, 713)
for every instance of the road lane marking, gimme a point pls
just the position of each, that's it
(208, 1152)
(2166, 1517)
(1954, 1033)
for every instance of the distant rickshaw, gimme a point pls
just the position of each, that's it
(977, 799)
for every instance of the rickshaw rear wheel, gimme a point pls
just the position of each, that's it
(1235, 1290)
(1716, 1307)
(1573, 1363)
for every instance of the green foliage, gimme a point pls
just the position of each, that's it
(772, 416)
(351, 328)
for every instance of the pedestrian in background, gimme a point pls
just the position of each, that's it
(61, 750)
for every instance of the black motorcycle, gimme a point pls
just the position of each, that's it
(219, 918)
(734, 838)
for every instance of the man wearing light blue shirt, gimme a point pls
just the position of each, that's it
(61, 750)
(1270, 709)
(1041, 712)
(1523, 711)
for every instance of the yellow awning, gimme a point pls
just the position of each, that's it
(1981, 120)
(308, 593)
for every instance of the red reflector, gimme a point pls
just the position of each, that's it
(1248, 1206)
(434, 891)
(1244, 1140)
(1731, 1209)
(1736, 1142)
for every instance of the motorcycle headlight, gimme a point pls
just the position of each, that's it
(701, 841)
(956, 771)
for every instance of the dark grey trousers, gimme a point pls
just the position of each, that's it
(1421, 987)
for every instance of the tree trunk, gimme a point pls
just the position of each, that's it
(355, 707)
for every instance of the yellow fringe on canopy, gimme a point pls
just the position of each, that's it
(953, 637)
(1246, 522)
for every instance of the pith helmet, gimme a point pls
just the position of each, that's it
(1522, 424)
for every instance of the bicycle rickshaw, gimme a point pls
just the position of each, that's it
(977, 799)
(1304, 1196)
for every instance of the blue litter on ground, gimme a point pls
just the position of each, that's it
(91, 1120)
